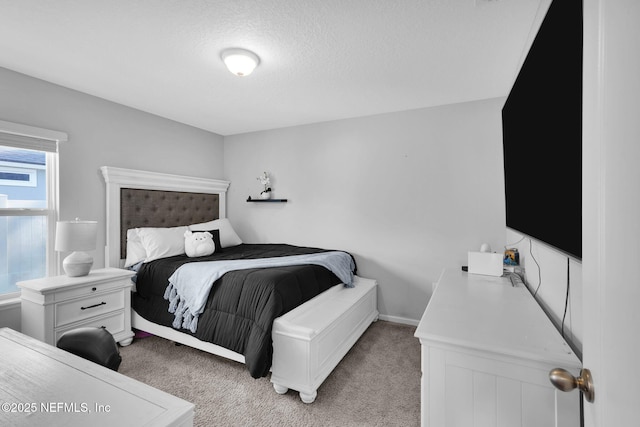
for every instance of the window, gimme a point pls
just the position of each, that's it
(28, 204)
(10, 175)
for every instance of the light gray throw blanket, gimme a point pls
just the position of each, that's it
(190, 284)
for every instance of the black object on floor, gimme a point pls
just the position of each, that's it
(94, 344)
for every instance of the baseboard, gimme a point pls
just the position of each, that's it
(396, 319)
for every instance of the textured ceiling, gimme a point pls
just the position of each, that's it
(320, 59)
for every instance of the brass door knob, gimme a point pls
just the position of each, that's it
(564, 381)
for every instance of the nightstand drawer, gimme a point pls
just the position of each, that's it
(113, 322)
(85, 291)
(80, 309)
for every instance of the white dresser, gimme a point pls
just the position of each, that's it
(53, 305)
(487, 349)
(45, 386)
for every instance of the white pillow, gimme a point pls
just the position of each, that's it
(135, 250)
(228, 236)
(162, 242)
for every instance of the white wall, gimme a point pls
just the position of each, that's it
(104, 133)
(407, 193)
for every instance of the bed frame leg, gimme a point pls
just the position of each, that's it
(280, 389)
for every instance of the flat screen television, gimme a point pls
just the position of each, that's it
(542, 134)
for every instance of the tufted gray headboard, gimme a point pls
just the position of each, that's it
(152, 199)
(156, 208)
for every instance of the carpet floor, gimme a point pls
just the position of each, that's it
(376, 384)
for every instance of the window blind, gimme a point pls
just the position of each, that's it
(30, 137)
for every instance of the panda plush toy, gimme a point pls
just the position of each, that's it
(199, 243)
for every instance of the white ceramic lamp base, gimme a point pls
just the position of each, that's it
(77, 264)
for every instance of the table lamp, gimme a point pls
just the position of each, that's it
(76, 236)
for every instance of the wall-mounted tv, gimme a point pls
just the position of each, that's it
(542, 134)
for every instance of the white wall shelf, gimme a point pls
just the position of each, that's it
(267, 200)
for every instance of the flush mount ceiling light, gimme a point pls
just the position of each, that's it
(240, 62)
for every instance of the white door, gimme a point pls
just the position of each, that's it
(611, 210)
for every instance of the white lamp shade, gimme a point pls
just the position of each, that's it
(240, 62)
(76, 235)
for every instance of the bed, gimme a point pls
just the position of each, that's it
(309, 334)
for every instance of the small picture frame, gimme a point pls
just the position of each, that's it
(511, 257)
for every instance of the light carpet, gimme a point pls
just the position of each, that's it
(376, 384)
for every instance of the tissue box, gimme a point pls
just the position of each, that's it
(487, 263)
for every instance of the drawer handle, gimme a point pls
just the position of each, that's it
(94, 305)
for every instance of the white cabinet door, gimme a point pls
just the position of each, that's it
(488, 391)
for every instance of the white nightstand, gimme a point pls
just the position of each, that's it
(53, 305)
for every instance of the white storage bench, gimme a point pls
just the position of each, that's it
(309, 344)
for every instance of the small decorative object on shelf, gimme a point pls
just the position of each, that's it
(265, 181)
(265, 195)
